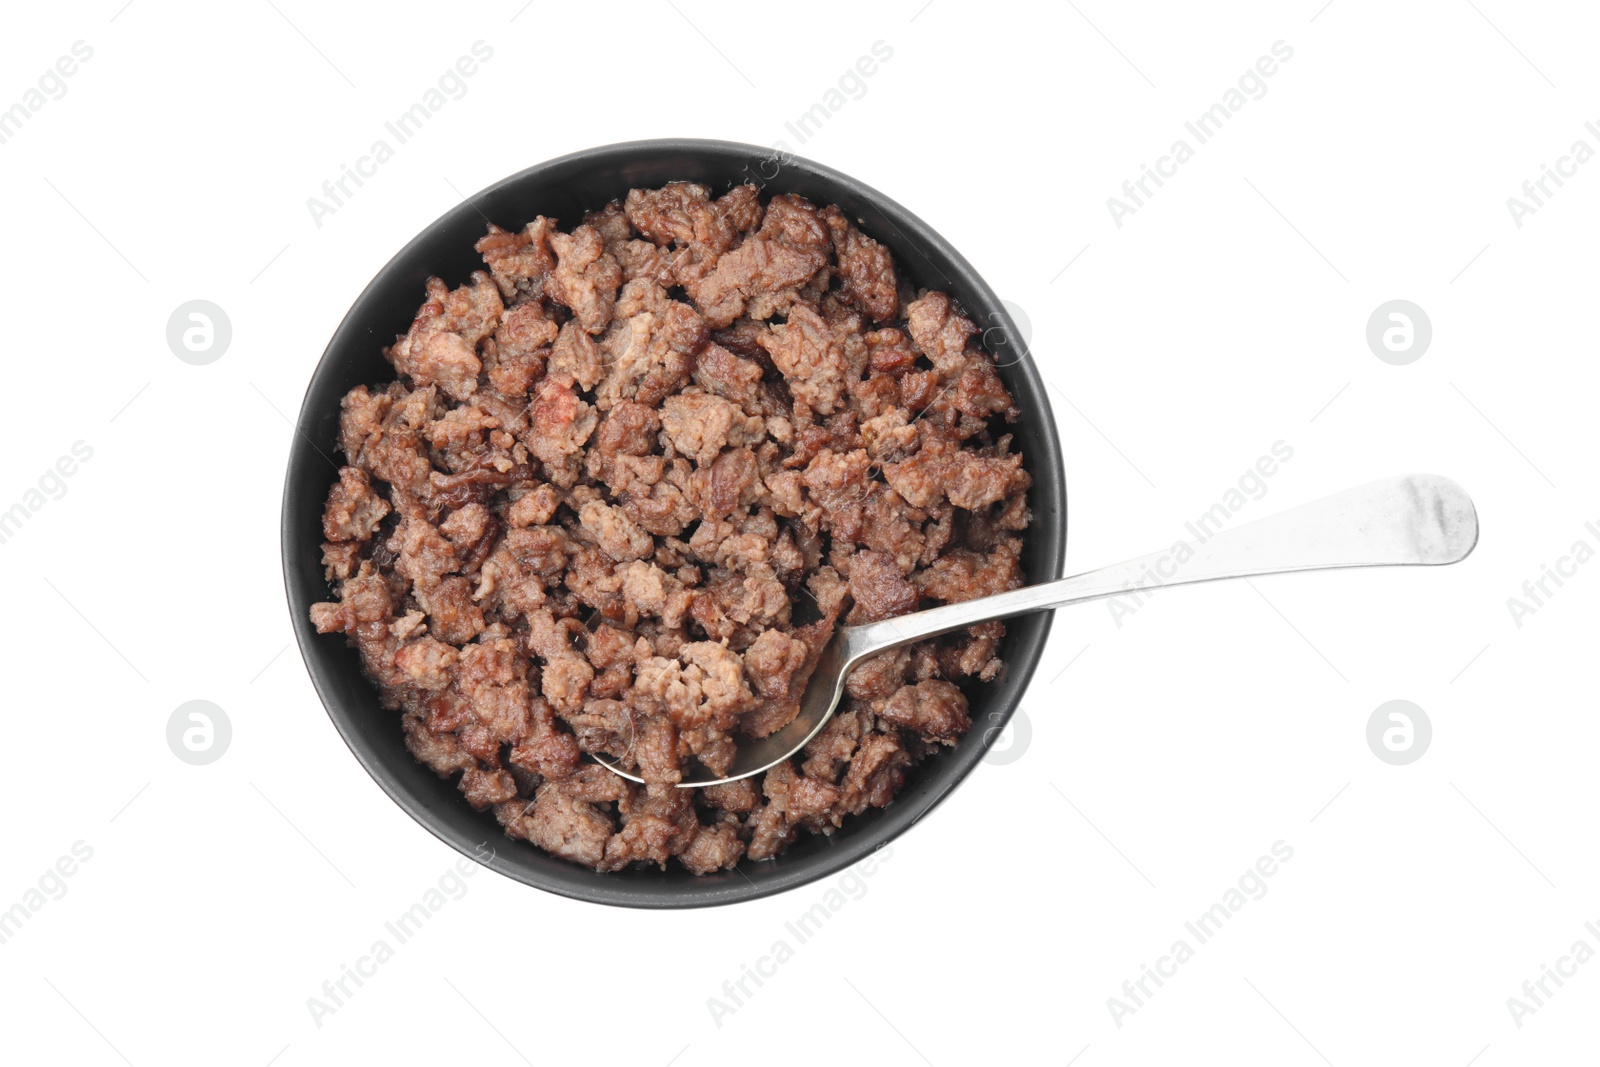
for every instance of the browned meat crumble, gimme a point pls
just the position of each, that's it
(628, 481)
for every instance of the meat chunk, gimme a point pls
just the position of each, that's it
(559, 422)
(441, 347)
(520, 263)
(939, 330)
(778, 667)
(969, 481)
(866, 270)
(811, 359)
(720, 371)
(427, 661)
(738, 796)
(657, 823)
(962, 574)
(586, 277)
(567, 825)
(577, 356)
(700, 425)
(617, 535)
(935, 710)
(654, 592)
(484, 789)
(648, 349)
(791, 246)
(354, 509)
(520, 348)
(683, 213)
(878, 588)
(629, 429)
(714, 848)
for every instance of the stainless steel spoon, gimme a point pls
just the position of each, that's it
(1414, 519)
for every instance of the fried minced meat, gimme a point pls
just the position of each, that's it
(627, 482)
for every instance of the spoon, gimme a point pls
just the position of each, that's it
(1416, 519)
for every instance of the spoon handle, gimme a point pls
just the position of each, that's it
(1417, 519)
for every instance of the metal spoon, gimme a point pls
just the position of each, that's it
(1414, 519)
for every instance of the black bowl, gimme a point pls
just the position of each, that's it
(565, 188)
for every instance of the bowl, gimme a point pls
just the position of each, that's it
(565, 188)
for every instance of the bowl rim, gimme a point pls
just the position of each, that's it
(847, 848)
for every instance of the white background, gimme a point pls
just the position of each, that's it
(1227, 314)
